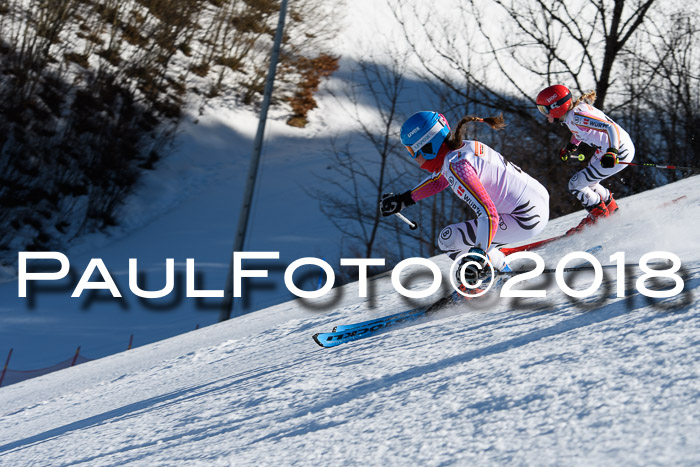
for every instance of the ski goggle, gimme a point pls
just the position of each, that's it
(424, 144)
(426, 149)
(546, 109)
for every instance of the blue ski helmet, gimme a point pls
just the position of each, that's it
(423, 134)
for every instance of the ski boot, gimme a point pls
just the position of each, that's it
(472, 276)
(595, 212)
(497, 281)
(458, 297)
(611, 204)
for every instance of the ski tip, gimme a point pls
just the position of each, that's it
(595, 249)
(315, 338)
(335, 329)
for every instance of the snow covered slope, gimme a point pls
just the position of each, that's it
(189, 208)
(601, 381)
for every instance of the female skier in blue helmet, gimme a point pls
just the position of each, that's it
(510, 205)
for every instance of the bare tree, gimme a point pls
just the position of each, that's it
(359, 176)
(493, 54)
(526, 41)
(665, 72)
(371, 161)
(93, 92)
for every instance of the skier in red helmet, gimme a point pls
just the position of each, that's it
(591, 126)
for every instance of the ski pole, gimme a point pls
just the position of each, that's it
(576, 157)
(659, 166)
(581, 158)
(410, 223)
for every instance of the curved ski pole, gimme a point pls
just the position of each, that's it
(410, 223)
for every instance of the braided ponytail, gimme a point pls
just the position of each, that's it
(454, 140)
(588, 98)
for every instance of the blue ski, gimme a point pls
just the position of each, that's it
(349, 332)
(346, 333)
(374, 322)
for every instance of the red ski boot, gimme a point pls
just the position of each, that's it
(595, 212)
(466, 293)
(611, 204)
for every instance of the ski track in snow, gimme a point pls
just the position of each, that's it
(547, 381)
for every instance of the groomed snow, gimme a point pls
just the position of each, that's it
(603, 381)
(606, 381)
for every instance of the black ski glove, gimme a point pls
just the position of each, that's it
(609, 159)
(568, 151)
(393, 204)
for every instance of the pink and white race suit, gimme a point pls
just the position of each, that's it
(591, 126)
(510, 206)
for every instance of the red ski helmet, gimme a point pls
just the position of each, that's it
(554, 101)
